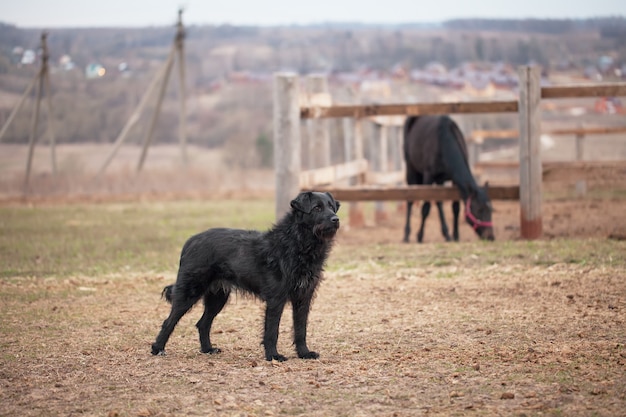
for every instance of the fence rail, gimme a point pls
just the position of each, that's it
(415, 193)
(412, 109)
(478, 136)
(371, 110)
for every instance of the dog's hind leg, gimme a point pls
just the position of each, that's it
(273, 313)
(213, 304)
(179, 308)
(300, 318)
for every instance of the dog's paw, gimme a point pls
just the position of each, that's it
(158, 352)
(277, 357)
(212, 351)
(309, 355)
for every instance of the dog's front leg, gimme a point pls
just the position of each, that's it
(273, 313)
(301, 309)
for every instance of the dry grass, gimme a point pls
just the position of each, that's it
(515, 328)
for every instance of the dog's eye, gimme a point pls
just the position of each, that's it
(318, 208)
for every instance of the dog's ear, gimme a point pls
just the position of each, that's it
(302, 202)
(336, 203)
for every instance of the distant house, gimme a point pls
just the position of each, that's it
(94, 70)
(29, 57)
(65, 62)
(479, 87)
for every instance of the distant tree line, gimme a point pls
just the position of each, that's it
(546, 26)
(239, 118)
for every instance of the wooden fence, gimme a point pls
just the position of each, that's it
(478, 136)
(288, 114)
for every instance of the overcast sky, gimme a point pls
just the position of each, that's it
(120, 13)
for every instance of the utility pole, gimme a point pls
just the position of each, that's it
(161, 79)
(42, 80)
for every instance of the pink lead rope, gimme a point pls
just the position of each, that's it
(468, 213)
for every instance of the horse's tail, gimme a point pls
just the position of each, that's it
(408, 124)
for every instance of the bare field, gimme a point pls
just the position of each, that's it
(395, 340)
(511, 328)
(163, 175)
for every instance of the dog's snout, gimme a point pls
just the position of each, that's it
(335, 219)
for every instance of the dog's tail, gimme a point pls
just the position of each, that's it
(167, 293)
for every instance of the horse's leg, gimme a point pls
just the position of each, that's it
(412, 177)
(456, 209)
(442, 221)
(442, 218)
(425, 212)
(425, 179)
(407, 226)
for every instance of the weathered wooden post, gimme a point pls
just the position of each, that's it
(580, 150)
(286, 140)
(530, 152)
(43, 82)
(182, 81)
(155, 116)
(162, 78)
(18, 106)
(396, 147)
(134, 118)
(473, 149)
(379, 155)
(397, 156)
(581, 185)
(318, 145)
(353, 142)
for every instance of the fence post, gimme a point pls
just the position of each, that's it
(581, 185)
(286, 140)
(530, 152)
(356, 218)
(580, 139)
(397, 155)
(318, 136)
(182, 83)
(379, 155)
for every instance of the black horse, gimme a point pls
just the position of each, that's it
(435, 152)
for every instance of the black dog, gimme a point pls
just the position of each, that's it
(283, 264)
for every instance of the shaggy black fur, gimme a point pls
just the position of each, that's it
(281, 265)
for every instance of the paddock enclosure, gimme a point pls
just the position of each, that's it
(288, 112)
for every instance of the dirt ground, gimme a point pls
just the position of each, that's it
(454, 336)
(457, 337)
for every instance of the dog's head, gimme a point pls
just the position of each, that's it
(319, 211)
